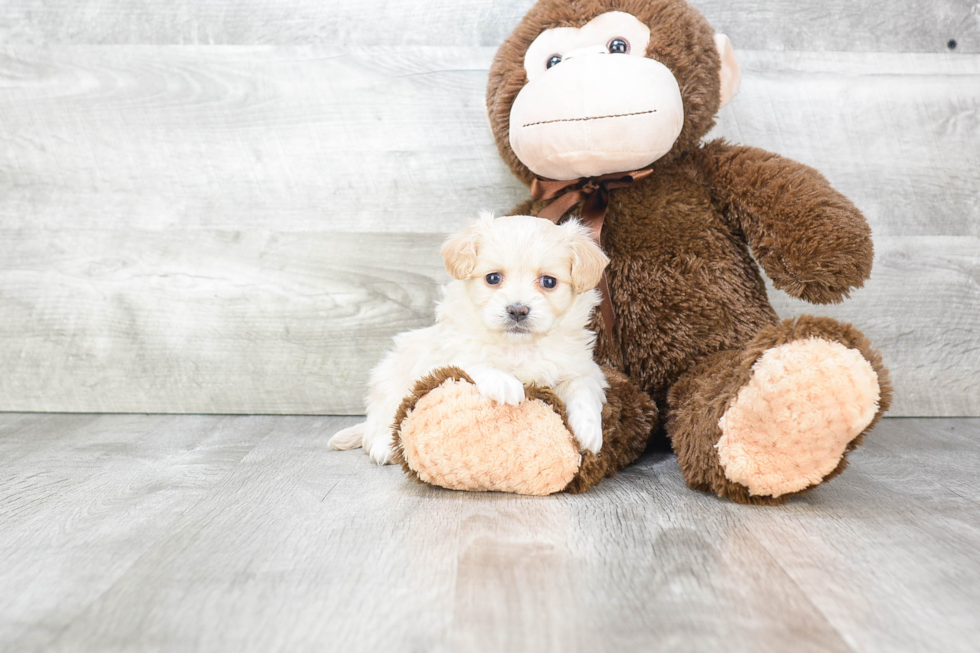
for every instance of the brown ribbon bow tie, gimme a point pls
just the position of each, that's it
(593, 194)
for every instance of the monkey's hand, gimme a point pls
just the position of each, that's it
(811, 240)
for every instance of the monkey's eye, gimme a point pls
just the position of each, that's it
(494, 278)
(618, 46)
(554, 60)
(548, 282)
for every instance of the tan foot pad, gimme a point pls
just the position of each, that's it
(789, 426)
(459, 439)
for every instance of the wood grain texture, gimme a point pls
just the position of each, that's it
(637, 567)
(88, 496)
(305, 536)
(259, 322)
(917, 464)
(206, 321)
(291, 139)
(182, 226)
(868, 25)
(246, 534)
(395, 139)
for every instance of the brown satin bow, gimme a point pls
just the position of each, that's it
(593, 193)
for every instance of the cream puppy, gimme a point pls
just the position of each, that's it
(516, 312)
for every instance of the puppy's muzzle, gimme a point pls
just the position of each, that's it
(518, 312)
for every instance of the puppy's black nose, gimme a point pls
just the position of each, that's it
(518, 312)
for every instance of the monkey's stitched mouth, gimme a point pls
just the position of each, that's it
(615, 115)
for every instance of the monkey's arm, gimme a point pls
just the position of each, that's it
(811, 240)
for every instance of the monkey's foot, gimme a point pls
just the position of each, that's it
(789, 426)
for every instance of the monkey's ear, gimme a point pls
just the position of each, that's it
(731, 74)
(588, 260)
(459, 252)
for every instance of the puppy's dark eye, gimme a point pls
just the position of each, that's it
(554, 60)
(494, 278)
(618, 46)
(548, 282)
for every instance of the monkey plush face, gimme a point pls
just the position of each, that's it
(585, 88)
(593, 102)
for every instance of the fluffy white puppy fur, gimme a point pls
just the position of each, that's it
(516, 312)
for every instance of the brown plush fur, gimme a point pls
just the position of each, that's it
(628, 420)
(691, 307)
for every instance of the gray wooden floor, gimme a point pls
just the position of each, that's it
(179, 533)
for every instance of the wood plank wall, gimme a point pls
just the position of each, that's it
(230, 207)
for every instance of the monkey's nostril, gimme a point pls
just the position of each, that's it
(518, 312)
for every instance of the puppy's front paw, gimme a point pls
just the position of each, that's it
(380, 451)
(586, 427)
(500, 386)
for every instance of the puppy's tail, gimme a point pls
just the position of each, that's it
(348, 438)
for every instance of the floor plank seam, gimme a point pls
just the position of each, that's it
(168, 532)
(851, 646)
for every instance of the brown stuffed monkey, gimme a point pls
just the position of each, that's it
(600, 106)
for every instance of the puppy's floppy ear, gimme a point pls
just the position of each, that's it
(459, 252)
(588, 260)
